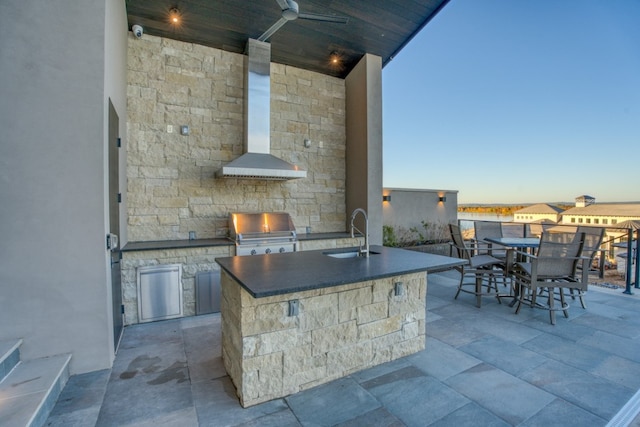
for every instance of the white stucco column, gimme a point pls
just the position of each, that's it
(364, 142)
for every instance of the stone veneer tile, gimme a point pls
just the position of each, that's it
(274, 355)
(171, 186)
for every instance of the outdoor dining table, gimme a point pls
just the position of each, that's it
(513, 244)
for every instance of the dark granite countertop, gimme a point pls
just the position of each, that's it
(222, 241)
(175, 244)
(275, 274)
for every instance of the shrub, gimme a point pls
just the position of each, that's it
(389, 236)
(401, 237)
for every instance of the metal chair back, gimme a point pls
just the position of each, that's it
(592, 240)
(484, 229)
(462, 250)
(558, 254)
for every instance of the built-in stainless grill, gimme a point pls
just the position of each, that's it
(262, 233)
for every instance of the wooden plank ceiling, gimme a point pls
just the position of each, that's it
(380, 27)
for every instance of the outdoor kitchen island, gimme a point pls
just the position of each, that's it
(295, 320)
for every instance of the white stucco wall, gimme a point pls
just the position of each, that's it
(54, 283)
(410, 207)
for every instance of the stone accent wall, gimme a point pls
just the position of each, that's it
(193, 260)
(311, 245)
(338, 331)
(171, 186)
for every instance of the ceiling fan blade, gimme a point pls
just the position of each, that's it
(275, 27)
(324, 18)
(283, 4)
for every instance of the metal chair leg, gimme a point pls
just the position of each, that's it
(565, 306)
(478, 291)
(459, 285)
(552, 313)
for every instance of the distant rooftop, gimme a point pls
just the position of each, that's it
(540, 208)
(608, 209)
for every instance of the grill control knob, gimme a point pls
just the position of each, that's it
(267, 251)
(253, 252)
(281, 250)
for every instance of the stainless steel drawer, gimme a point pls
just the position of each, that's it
(159, 292)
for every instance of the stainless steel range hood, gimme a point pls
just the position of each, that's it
(258, 162)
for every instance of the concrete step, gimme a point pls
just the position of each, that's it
(9, 356)
(31, 389)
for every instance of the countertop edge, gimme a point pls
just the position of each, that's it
(175, 244)
(155, 245)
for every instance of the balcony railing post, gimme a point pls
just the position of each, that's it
(627, 289)
(637, 285)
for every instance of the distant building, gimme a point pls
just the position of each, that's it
(587, 212)
(541, 212)
(583, 201)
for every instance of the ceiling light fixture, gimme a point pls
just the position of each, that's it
(174, 16)
(336, 61)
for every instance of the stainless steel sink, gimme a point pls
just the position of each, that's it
(346, 254)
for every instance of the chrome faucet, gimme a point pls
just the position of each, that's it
(363, 251)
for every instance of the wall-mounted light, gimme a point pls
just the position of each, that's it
(307, 143)
(442, 199)
(386, 197)
(174, 16)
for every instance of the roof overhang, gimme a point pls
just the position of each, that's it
(378, 27)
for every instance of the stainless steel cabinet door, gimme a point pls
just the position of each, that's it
(159, 292)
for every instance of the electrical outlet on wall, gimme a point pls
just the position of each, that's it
(169, 128)
(398, 289)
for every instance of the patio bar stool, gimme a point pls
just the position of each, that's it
(483, 269)
(592, 240)
(553, 267)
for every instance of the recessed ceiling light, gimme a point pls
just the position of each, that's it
(174, 16)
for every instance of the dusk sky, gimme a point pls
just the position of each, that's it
(518, 101)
